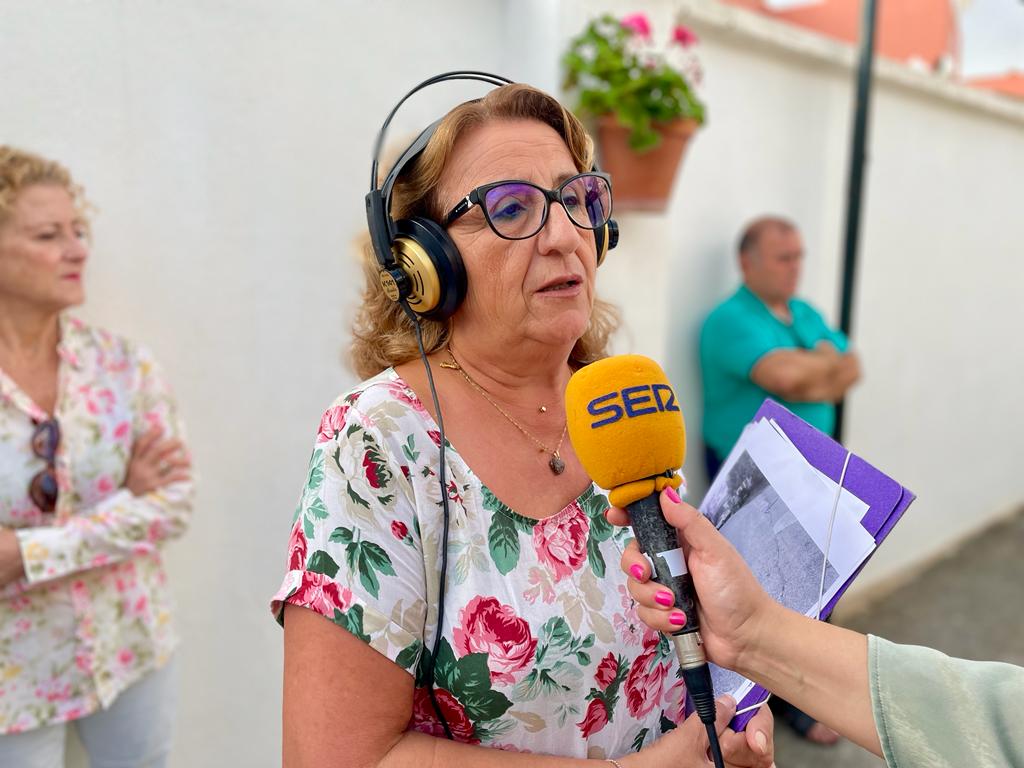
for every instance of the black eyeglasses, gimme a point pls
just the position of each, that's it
(42, 489)
(517, 210)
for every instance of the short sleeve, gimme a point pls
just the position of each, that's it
(732, 346)
(819, 330)
(355, 554)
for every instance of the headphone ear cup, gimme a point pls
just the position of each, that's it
(426, 254)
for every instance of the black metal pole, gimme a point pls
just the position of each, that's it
(855, 190)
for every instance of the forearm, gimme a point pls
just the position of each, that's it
(820, 668)
(418, 750)
(118, 527)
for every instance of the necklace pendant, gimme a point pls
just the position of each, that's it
(556, 464)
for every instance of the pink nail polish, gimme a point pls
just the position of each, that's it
(672, 495)
(678, 618)
(637, 571)
(664, 597)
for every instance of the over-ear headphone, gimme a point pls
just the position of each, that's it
(420, 267)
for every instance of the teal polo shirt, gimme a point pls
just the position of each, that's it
(738, 333)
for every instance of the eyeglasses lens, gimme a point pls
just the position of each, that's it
(515, 210)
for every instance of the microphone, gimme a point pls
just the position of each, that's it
(628, 432)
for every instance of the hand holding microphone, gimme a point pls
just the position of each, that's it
(627, 430)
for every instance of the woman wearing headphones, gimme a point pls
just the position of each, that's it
(519, 635)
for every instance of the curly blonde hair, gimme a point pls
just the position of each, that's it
(20, 169)
(381, 334)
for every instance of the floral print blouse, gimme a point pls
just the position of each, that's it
(541, 648)
(93, 613)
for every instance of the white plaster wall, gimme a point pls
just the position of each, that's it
(226, 145)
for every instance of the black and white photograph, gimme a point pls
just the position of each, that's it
(751, 514)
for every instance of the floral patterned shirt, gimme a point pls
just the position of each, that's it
(92, 614)
(541, 648)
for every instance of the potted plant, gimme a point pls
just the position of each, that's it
(642, 100)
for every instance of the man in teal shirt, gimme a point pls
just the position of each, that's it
(763, 342)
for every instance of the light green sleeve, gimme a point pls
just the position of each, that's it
(936, 711)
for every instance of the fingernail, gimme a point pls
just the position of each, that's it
(678, 618)
(672, 495)
(762, 742)
(637, 571)
(664, 597)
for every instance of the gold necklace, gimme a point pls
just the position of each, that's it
(555, 462)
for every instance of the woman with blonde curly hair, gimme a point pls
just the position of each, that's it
(535, 645)
(93, 479)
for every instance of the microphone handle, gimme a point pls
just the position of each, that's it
(660, 542)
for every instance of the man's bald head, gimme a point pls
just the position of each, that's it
(771, 252)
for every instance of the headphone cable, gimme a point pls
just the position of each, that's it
(429, 673)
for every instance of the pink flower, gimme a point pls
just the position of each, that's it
(297, 548)
(372, 471)
(643, 685)
(492, 628)
(322, 595)
(606, 671)
(435, 436)
(401, 394)
(424, 719)
(399, 530)
(562, 544)
(331, 423)
(595, 719)
(122, 430)
(126, 656)
(637, 24)
(105, 485)
(684, 36)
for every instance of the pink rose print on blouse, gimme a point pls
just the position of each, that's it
(606, 671)
(402, 395)
(399, 529)
(644, 683)
(424, 719)
(322, 595)
(331, 423)
(297, 548)
(373, 471)
(595, 719)
(562, 544)
(492, 628)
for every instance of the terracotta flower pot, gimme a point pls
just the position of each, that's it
(642, 181)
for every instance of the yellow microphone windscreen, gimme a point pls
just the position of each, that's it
(626, 426)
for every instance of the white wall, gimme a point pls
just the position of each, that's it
(226, 145)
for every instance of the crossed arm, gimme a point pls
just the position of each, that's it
(799, 375)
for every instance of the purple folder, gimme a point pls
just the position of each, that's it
(887, 500)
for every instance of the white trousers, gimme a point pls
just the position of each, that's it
(135, 732)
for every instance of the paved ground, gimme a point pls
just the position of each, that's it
(967, 605)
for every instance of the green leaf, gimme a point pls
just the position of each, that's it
(409, 449)
(341, 534)
(556, 632)
(366, 558)
(503, 542)
(317, 509)
(666, 724)
(444, 669)
(352, 430)
(594, 556)
(307, 527)
(485, 705)
(355, 496)
(316, 476)
(352, 620)
(408, 655)
(638, 742)
(321, 562)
